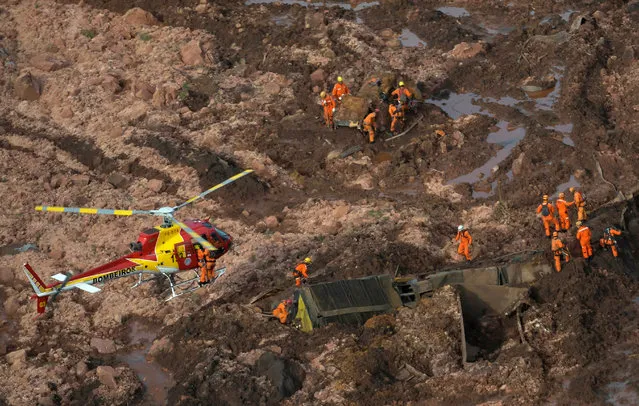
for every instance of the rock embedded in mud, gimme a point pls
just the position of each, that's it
(27, 87)
(387, 33)
(161, 346)
(81, 369)
(17, 359)
(138, 16)
(464, 50)
(191, 53)
(271, 88)
(134, 112)
(103, 345)
(110, 84)
(143, 90)
(518, 164)
(271, 222)
(48, 63)
(318, 76)
(155, 185)
(483, 186)
(106, 376)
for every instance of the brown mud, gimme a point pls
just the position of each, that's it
(547, 100)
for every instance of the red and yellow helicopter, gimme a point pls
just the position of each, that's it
(162, 250)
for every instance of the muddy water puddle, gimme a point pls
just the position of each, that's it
(303, 3)
(621, 393)
(155, 379)
(456, 12)
(17, 248)
(572, 182)
(409, 39)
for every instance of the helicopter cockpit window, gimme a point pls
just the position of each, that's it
(222, 234)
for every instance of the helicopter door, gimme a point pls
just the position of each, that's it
(185, 256)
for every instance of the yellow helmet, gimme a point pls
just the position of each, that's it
(572, 189)
(339, 79)
(579, 223)
(562, 195)
(308, 260)
(401, 83)
(545, 197)
(323, 94)
(555, 234)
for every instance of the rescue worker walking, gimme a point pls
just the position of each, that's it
(579, 202)
(370, 125)
(301, 271)
(328, 102)
(547, 211)
(609, 240)
(397, 114)
(403, 95)
(465, 241)
(281, 311)
(206, 260)
(583, 235)
(562, 212)
(340, 90)
(559, 250)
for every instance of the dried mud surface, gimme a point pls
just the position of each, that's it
(101, 106)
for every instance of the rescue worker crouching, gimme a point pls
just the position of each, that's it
(465, 241)
(559, 250)
(206, 260)
(300, 273)
(340, 90)
(370, 125)
(609, 240)
(282, 310)
(328, 103)
(583, 235)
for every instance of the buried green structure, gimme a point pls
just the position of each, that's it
(483, 292)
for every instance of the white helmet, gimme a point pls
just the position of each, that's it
(460, 228)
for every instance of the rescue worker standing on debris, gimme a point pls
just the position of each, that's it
(370, 125)
(206, 260)
(583, 235)
(340, 90)
(301, 271)
(547, 212)
(397, 114)
(559, 250)
(580, 203)
(403, 95)
(329, 108)
(609, 240)
(465, 241)
(562, 212)
(281, 311)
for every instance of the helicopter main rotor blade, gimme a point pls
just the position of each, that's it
(195, 236)
(87, 210)
(214, 188)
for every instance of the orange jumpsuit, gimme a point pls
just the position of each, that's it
(281, 312)
(300, 273)
(403, 95)
(559, 250)
(329, 106)
(339, 90)
(580, 203)
(609, 240)
(550, 218)
(583, 235)
(370, 125)
(397, 115)
(207, 265)
(562, 210)
(465, 240)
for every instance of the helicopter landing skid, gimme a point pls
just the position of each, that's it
(186, 286)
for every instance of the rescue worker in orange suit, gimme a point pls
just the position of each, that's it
(370, 125)
(206, 261)
(562, 212)
(580, 203)
(465, 241)
(281, 311)
(340, 89)
(609, 240)
(403, 95)
(329, 108)
(547, 211)
(583, 235)
(397, 114)
(301, 271)
(559, 250)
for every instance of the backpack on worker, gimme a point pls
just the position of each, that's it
(545, 211)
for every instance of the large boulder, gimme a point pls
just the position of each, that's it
(191, 53)
(27, 87)
(48, 63)
(370, 90)
(138, 16)
(353, 108)
(103, 345)
(464, 50)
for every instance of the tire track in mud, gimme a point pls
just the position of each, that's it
(85, 152)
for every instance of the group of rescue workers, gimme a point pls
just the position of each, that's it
(399, 104)
(556, 216)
